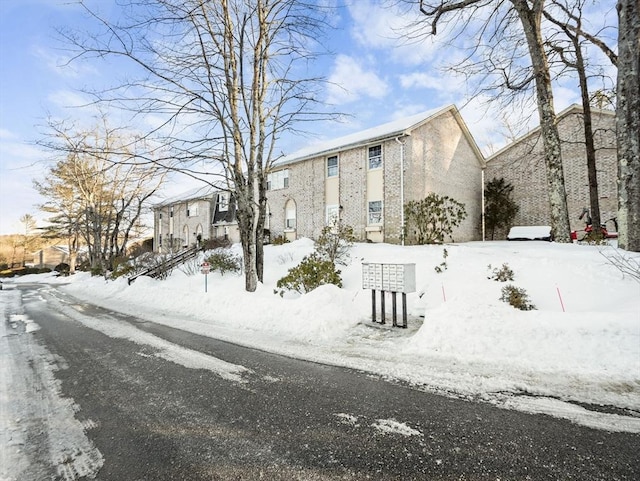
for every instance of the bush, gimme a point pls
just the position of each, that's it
(97, 271)
(500, 209)
(516, 297)
(149, 260)
(625, 262)
(334, 243)
(432, 219)
(191, 267)
(216, 243)
(122, 267)
(312, 272)
(279, 240)
(223, 260)
(443, 265)
(63, 269)
(595, 239)
(503, 274)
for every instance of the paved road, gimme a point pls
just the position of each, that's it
(157, 403)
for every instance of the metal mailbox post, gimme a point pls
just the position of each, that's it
(392, 278)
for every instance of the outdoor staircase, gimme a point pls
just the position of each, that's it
(168, 264)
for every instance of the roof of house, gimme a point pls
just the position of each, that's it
(390, 130)
(203, 192)
(572, 109)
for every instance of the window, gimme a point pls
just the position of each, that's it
(332, 214)
(375, 212)
(332, 166)
(290, 215)
(192, 210)
(375, 157)
(185, 234)
(223, 201)
(278, 180)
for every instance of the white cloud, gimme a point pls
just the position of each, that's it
(68, 98)
(423, 81)
(350, 81)
(388, 28)
(7, 134)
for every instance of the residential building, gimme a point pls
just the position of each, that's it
(189, 218)
(521, 163)
(51, 256)
(364, 179)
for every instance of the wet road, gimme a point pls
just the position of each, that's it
(157, 403)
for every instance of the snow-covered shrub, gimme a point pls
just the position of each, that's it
(223, 260)
(517, 297)
(121, 267)
(191, 267)
(626, 262)
(313, 271)
(504, 274)
(334, 242)
(443, 265)
(433, 218)
(279, 240)
(285, 258)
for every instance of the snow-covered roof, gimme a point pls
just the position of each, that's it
(204, 192)
(389, 130)
(572, 109)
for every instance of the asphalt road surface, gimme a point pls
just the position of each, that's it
(156, 403)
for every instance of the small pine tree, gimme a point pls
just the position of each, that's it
(499, 207)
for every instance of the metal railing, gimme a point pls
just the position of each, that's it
(168, 264)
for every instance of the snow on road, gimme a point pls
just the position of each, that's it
(581, 345)
(34, 417)
(163, 349)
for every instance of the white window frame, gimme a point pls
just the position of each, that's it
(290, 221)
(374, 217)
(192, 209)
(278, 180)
(332, 213)
(375, 159)
(332, 170)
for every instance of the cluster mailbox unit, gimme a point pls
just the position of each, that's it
(392, 278)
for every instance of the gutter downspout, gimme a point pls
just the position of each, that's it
(482, 187)
(397, 139)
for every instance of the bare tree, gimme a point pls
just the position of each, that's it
(568, 18)
(97, 191)
(500, 17)
(228, 78)
(628, 124)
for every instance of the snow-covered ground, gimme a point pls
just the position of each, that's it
(580, 346)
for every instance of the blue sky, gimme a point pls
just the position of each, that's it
(374, 77)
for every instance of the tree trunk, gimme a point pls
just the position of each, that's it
(530, 18)
(628, 125)
(594, 197)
